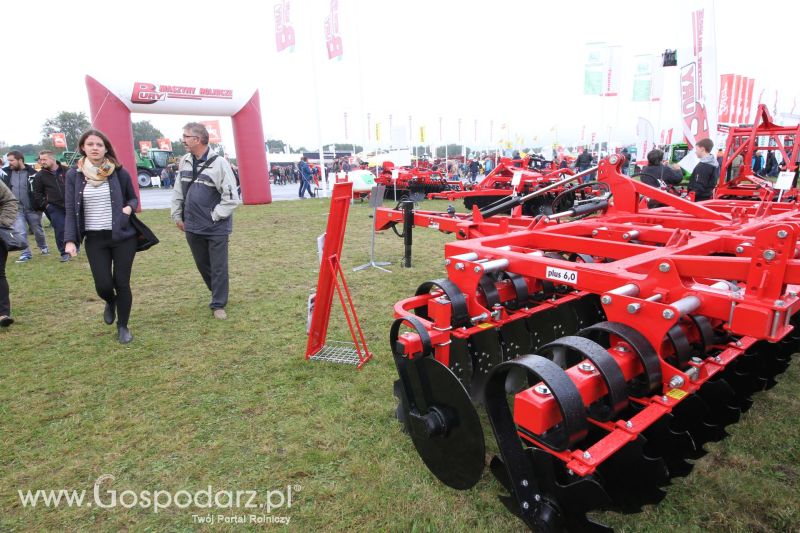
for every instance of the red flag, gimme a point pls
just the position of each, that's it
(214, 134)
(145, 146)
(59, 140)
(726, 101)
(164, 144)
(333, 38)
(284, 32)
(748, 103)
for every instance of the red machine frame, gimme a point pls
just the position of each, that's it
(732, 264)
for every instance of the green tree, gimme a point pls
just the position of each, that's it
(275, 146)
(178, 149)
(145, 131)
(72, 125)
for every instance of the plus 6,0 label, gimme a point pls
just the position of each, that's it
(564, 276)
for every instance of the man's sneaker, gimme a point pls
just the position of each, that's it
(65, 258)
(23, 259)
(45, 251)
(220, 314)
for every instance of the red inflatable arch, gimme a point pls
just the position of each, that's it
(111, 110)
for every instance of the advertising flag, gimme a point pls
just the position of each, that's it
(698, 81)
(726, 101)
(164, 144)
(333, 37)
(145, 147)
(214, 135)
(284, 32)
(59, 140)
(595, 66)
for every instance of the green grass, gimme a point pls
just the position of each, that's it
(196, 402)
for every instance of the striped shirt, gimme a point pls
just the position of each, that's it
(97, 207)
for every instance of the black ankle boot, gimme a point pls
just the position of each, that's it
(109, 314)
(124, 335)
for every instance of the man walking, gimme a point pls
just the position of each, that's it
(48, 194)
(306, 176)
(202, 206)
(19, 178)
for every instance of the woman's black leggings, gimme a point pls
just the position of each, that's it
(111, 264)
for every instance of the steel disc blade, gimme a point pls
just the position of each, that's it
(719, 395)
(457, 455)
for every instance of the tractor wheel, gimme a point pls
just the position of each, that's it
(144, 179)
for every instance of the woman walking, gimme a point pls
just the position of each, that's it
(99, 200)
(8, 215)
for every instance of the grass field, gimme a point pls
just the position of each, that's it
(194, 402)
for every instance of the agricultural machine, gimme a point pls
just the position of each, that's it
(605, 351)
(414, 180)
(501, 182)
(150, 165)
(746, 141)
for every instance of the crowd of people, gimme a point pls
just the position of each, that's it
(93, 204)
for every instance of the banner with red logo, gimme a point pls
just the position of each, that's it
(284, 32)
(145, 146)
(214, 134)
(735, 98)
(59, 140)
(698, 80)
(333, 38)
(164, 144)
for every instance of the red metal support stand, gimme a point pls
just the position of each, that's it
(331, 277)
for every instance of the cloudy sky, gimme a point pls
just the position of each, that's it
(514, 62)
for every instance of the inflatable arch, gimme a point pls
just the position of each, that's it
(111, 108)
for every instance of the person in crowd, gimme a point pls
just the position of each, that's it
(720, 156)
(657, 174)
(19, 177)
(704, 176)
(202, 207)
(584, 162)
(306, 177)
(168, 176)
(99, 199)
(488, 164)
(346, 166)
(758, 162)
(771, 166)
(473, 170)
(736, 164)
(9, 206)
(48, 194)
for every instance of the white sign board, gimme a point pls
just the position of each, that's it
(784, 181)
(689, 161)
(516, 179)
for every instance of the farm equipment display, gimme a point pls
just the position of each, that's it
(511, 177)
(605, 351)
(414, 180)
(746, 141)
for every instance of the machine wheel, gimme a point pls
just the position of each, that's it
(144, 179)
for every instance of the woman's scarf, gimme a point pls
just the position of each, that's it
(96, 175)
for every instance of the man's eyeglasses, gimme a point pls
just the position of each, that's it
(190, 137)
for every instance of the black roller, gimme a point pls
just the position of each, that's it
(543, 500)
(458, 303)
(573, 426)
(650, 382)
(575, 349)
(487, 287)
(520, 290)
(681, 347)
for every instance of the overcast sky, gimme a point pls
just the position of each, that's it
(515, 62)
